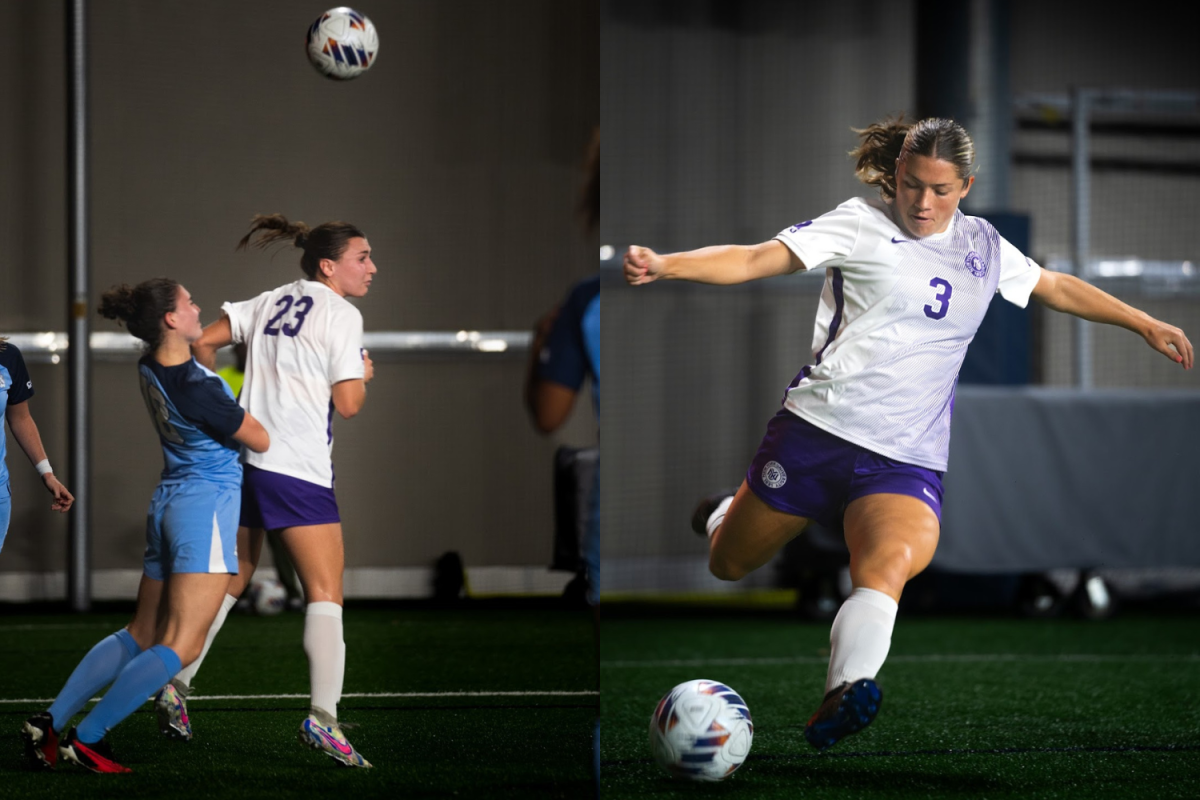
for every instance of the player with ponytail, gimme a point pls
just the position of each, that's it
(304, 361)
(191, 530)
(863, 435)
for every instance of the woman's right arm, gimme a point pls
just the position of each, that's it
(215, 336)
(253, 435)
(724, 264)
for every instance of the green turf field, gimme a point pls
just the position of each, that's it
(495, 703)
(972, 708)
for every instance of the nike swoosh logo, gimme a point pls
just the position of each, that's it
(344, 749)
(929, 494)
(900, 241)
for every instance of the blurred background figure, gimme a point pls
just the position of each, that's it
(16, 387)
(564, 353)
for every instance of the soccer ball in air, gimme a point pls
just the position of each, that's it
(342, 43)
(701, 730)
(267, 597)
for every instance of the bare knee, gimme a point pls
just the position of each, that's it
(725, 569)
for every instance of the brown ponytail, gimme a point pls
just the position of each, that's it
(142, 307)
(327, 240)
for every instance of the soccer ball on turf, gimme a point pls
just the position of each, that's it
(701, 730)
(267, 597)
(342, 43)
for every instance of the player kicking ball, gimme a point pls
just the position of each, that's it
(864, 431)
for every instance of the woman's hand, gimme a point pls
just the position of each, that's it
(1170, 341)
(642, 265)
(63, 500)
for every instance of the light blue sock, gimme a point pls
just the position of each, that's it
(142, 677)
(99, 668)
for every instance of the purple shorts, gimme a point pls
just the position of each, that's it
(802, 470)
(272, 501)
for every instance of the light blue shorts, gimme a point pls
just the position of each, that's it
(5, 511)
(192, 527)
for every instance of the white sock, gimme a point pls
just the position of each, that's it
(184, 677)
(718, 515)
(326, 655)
(861, 637)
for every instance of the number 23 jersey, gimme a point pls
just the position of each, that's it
(300, 340)
(895, 319)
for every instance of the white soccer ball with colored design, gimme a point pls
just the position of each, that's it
(701, 730)
(342, 43)
(267, 596)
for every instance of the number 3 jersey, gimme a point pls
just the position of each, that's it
(895, 319)
(195, 415)
(300, 340)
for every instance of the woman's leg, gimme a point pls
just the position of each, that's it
(192, 602)
(317, 553)
(749, 536)
(105, 661)
(249, 548)
(892, 538)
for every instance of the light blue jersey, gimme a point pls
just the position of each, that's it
(195, 414)
(191, 525)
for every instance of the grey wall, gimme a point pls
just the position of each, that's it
(458, 154)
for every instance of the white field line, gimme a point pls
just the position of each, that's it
(201, 697)
(965, 658)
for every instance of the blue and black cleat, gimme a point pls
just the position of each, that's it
(846, 710)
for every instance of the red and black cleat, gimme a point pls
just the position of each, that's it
(41, 742)
(97, 757)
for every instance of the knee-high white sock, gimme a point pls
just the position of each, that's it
(861, 637)
(326, 657)
(183, 679)
(718, 515)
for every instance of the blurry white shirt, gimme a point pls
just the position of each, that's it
(895, 319)
(300, 340)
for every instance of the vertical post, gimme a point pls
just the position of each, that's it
(79, 593)
(991, 120)
(1081, 214)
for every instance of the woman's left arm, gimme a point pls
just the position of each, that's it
(1067, 293)
(25, 431)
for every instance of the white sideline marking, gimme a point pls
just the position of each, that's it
(196, 697)
(926, 659)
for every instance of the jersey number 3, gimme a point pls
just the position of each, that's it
(942, 298)
(303, 306)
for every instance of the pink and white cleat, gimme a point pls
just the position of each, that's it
(330, 740)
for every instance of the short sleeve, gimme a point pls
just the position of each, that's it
(826, 241)
(22, 386)
(564, 358)
(345, 343)
(1019, 274)
(241, 317)
(203, 399)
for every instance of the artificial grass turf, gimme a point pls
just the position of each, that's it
(489, 745)
(972, 707)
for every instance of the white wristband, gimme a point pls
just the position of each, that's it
(43, 466)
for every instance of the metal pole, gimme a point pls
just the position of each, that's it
(1082, 218)
(79, 590)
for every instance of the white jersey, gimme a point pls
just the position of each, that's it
(896, 316)
(300, 340)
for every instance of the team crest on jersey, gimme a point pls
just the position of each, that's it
(773, 475)
(976, 265)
